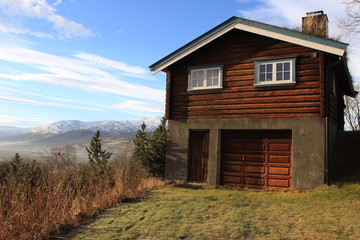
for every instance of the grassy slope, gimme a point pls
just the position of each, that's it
(182, 213)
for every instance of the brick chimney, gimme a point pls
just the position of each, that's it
(315, 23)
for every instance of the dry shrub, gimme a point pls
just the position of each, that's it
(63, 194)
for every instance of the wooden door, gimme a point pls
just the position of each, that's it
(198, 155)
(256, 159)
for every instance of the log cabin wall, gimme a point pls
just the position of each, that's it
(335, 110)
(333, 98)
(237, 51)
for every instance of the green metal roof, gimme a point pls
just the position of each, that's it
(326, 45)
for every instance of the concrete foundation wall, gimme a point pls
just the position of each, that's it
(308, 146)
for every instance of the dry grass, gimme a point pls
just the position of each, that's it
(54, 196)
(329, 212)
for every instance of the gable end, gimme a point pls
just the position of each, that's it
(325, 45)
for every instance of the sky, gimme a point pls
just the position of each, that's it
(88, 59)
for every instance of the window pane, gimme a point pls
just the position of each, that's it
(287, 66)
(269, 77)
(194, 74)
(215, 73)
(194, 77)
(209, 81)
(286, 75)
(201, 74)
(274, 71)
(209, 74)
(200, 83)
(262, 68)
(205, 77)
(262, 77)
(216, 81)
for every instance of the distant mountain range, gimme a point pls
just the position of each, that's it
(74, 131)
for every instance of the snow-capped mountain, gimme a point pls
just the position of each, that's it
(74, 130)
(112, 128)
(117, 136)
(9, 131)
(62, 127)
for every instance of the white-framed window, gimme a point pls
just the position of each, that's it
(205, 77)
(274, 72)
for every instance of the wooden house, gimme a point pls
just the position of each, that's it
(255, 105)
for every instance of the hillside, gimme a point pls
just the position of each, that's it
(117, 136)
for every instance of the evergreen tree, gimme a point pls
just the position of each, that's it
(24, 172)
(150, 153)
(140, 151)
(16, 163)
(157, 150)
(98, 157)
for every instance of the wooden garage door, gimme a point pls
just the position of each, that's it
(256, 159)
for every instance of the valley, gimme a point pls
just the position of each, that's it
(41, 141)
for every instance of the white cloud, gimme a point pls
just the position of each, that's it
(11, 26)
(122, 68)
(7, 90)
(16, 12)
(80, 73)
(288, 13)
(140, 106)
(19, 121)
(38, 103)
(114, 64)
(57, 2)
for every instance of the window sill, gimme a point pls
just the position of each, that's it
(273, 84)
(205, 89)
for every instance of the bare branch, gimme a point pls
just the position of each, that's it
(351, 23)
(352, 112)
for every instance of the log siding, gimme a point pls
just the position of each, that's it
(335, 99)
(237, 51)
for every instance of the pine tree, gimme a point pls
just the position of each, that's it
(16, 163)
(157, 150)
(24, 172)
(150, 153)
(98, 157)
(140, 151)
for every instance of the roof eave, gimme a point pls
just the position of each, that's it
(326, 45)
(207, 37)
(350, 91)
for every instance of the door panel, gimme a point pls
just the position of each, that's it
(256, 159)
(198, 155)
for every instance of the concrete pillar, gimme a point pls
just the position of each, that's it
(214, 162)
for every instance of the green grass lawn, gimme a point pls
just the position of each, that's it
(182, 213)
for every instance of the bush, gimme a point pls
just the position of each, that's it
(150, 153)
(98, 159)
(24, 172)
(38, 199)
(4, 169)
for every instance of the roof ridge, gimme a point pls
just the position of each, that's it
(264, 29)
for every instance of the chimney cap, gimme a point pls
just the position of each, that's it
(315, 23)
(316, 13)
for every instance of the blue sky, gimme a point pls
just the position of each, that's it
(88, 59)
